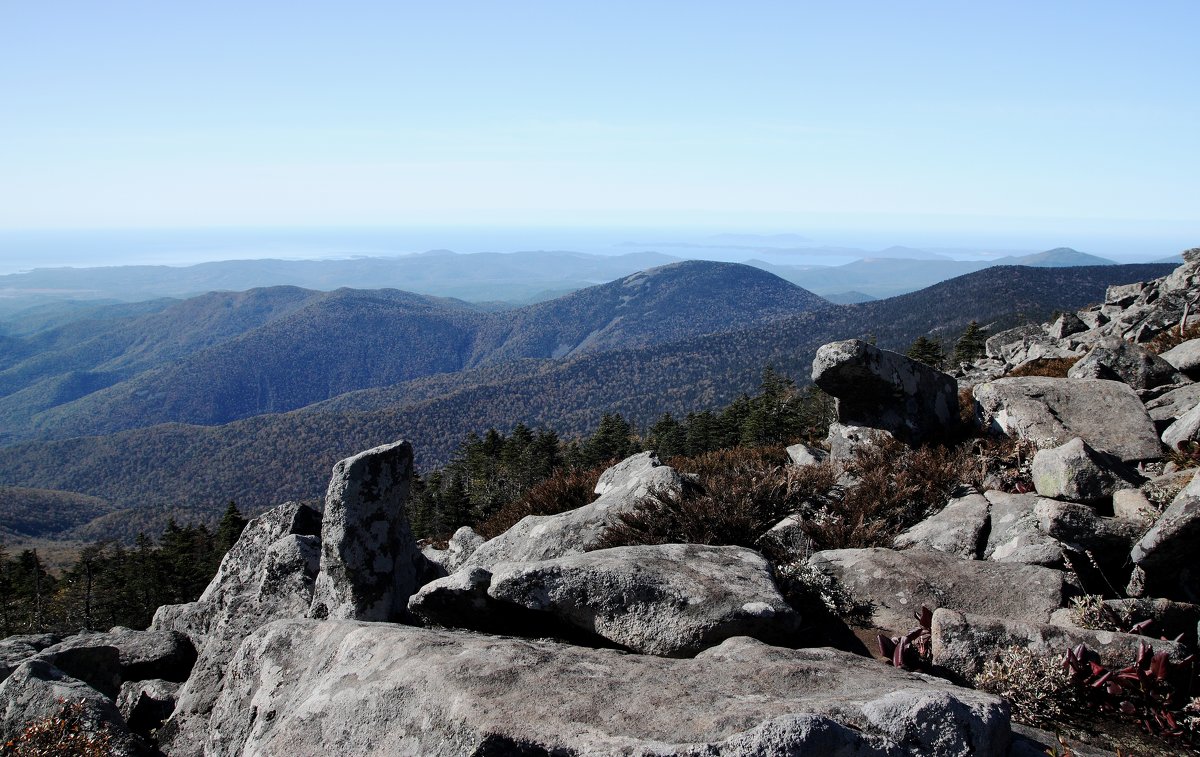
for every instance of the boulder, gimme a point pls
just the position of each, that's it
(1051, 411)
(1066, 325)
(1015, 535)
(15, 650)
(958, 529)
(802, 454)
(898, 583)
(1006, 344)
(1169, 619)
(672, 600)
(146, 704)
(458, 549)
(1115, 359)
(298, 687)
(38, 690)
(886, 390)
(139, 655)
(961, 643)
(369, 559)
(1077, 472)
(1166, 554)
(1185, 357)
(844, 441)
(1082, 529)
(1185, 428)
(267, 575)
(544, 537)
(1132, 505)
(1165, 408)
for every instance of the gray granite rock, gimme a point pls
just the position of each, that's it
(898, 583)
(886, 390)
(1115, 359)
(959, 528)
(298, 687)
(1051, 411)
(963, 642)
(369, 559)
(1185, 428)
(1185, 357)
(38, 690)
(1077, 472)
(1015, 535)
(844, 441)
(1167, 553)
(267, 575)
(146, 704)
(458, 550)
(1165, 408)
(140, 655)
(544, 537)
(803, 454)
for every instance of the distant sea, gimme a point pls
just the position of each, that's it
(22, 250)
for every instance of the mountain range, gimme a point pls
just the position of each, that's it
(497, 280)
(352, 369)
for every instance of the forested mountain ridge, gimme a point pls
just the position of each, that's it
(153, 472)
(317, 345)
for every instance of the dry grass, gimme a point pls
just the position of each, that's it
(1172, 338)
(1055, 367)
(564, 490)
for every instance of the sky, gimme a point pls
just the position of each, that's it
(747, 116)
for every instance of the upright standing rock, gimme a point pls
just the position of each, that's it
(886, 390)
(368, 554)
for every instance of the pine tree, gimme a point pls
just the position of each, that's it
(229, 529)
(970, 345)
(927, 351)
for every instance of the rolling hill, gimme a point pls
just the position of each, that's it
(220, 357)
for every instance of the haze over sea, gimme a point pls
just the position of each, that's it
(962, 239)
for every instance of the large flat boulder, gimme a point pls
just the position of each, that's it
(1051, 411)
(896, 584)
(544, 537)
(15, 650)
(963, 642)
(338, 687)
(369, 559)
(667, 599)
(1166, 408)
(886, 390)
(1185, 357)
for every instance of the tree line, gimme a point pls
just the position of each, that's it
(111, 584)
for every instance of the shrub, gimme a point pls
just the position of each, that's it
(564, 490)
(1172, 337)
(894, 486)
(68, 733)
(1054, 367)
(736, 496)
(803, 586)
(1035, 685)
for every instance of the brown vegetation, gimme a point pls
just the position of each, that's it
(1053, 367)
(563, 490)
(68, 733)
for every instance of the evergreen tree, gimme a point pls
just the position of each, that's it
(970, 345)
(612, 441)
(229, 528)
(668, 437)
(927, 351)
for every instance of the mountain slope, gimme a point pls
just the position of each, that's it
(262, 460)
(325, 344)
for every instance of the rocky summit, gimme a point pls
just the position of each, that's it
(1060, 554)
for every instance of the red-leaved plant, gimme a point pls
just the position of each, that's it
(910, 651)
(1154, 689)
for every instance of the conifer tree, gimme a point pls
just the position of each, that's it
(970, 345)
(927, 351)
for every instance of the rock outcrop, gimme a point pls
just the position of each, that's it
(369, 559)
(1051, 411)
(673, 600)
(296, 687)
(885, 390)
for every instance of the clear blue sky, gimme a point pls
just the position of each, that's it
(655, 113)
